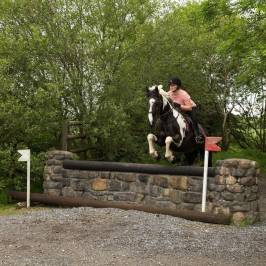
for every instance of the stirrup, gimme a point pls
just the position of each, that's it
(199, 139)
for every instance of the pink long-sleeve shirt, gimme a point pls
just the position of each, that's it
(183, 98)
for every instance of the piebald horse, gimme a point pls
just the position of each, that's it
(171, 128)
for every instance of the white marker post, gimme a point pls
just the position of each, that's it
(210, 145)
(204, 187)
(25, 157)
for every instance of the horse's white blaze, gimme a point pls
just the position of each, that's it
(151, 102)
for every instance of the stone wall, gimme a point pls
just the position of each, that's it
(234, 189)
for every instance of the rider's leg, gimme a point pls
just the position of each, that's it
(198, 136)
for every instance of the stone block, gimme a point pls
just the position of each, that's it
(239, 197)
(78, 184)
(238, 218)
(251, 172)
(230, 180)
(251, 196)
(61, 155)
(238, 172)
(54, 162)
(219, 180)
(159, 203)
(255, 188)
(213, 196)
(70, 173)
(224, 171)
(88, 195)
(127, 177)
(220, 188)
(155, 191)
(85, 175)
(176, 196)
(221, 210)
(254, 206)
(110, 197)
(248, 181)
(240, 207)
(125, 196)
(143, 178)
(70, 192)
(56, 177)
(192, 197)
(139, 187)
(186, 206)
(114, 185)
(53, 192)
(125, 186)
(211, 187)
(230, 163)
(228, 195)
(104, 175)
(236, 188)
(160, 181)
(93, 174)
(224, 203)
(179, 182)
(139, 197)
(195, 184)
(52, 185)
(99, 184)
(166, 192)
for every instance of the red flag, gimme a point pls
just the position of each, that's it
(210, 143)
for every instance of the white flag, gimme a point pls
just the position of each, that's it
(25, 155)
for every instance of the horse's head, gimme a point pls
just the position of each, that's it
(155, 104)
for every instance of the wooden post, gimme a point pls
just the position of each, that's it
(64, 135)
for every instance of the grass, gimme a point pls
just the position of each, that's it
(11, 209)
(237, 152)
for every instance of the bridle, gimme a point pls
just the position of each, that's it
(171, 110)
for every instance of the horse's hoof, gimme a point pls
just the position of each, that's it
(170, 158)
(175, 160)
(155, 155)
(158, 157)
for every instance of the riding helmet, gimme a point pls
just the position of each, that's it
(175, 81)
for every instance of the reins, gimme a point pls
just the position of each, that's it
(171, 109)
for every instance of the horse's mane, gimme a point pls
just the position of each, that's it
(163, 92)
(165, 95)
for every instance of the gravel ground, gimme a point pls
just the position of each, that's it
(87, 236)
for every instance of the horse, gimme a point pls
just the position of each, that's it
(171, 128)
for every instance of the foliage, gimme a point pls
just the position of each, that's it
(91, 61)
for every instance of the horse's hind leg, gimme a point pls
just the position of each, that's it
(151, 140)
(190, 158)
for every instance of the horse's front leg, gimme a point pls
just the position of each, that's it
(151, 140)
(168, 153)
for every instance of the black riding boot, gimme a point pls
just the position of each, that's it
(198, 136)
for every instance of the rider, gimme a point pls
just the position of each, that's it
(183, 99)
